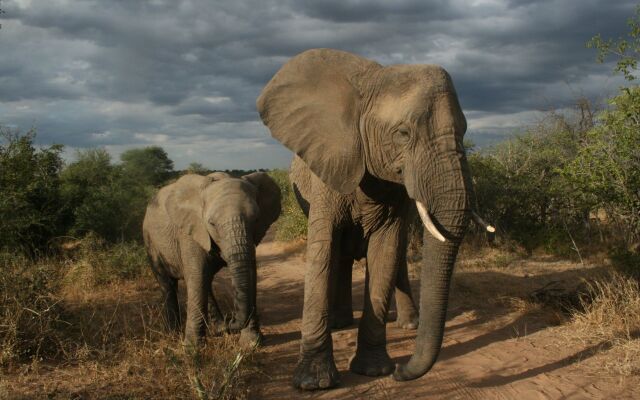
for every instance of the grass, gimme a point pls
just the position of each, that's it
(610, 317)
(29, 311)
(89, 324)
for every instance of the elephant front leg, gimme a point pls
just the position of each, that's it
(384, 251)
(196, 310)
(198, 283)
(316, 367)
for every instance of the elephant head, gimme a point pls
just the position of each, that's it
(231, 216)
(346, 116)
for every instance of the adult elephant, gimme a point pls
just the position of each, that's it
(199, 224)
(370, 140)
(340, 300)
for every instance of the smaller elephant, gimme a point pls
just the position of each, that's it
(199, 224)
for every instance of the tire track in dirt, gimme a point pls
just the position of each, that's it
(501, 357)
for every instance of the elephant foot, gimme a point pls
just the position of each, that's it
(192, 341)
(250, 338)
(371, 362)
(219, 328)
(408, 322)
(317, 371)
(341, 319)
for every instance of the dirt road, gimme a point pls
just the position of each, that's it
(492, 349)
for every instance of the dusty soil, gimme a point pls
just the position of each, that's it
(497, 345)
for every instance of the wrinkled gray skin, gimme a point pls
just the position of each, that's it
(199, 224)
(370, 140)
(353, 248)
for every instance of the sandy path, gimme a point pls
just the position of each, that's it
(488, 353)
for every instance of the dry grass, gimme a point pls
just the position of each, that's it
(67, 333)
(611, 318)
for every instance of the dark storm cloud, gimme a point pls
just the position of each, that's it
(185, 74)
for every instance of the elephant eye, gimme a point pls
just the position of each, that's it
(402, 135)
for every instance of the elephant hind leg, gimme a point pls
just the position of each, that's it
(172, 309)
(169, 288)
(341, 306)
(405, 305)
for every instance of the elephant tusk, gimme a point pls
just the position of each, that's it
(478, 220)
(426, 220)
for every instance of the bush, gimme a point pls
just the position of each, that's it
(292, 223)
(96, 262)
(520, 187)
(103, 198)
(30, 312)
(606, 170)
(30, 200)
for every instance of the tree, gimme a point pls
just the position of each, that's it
(197, 168)
(106, 199)
(607, 167)
(30, 200)
(626, 50)
(149, 165)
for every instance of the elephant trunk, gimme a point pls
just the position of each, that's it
(437, 269)
(450, 207)
(240, 254)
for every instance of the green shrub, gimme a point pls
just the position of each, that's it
(292, 223)
(606, 169)
(108, 200)
(30, 200)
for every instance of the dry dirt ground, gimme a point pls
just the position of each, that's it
(497, 345)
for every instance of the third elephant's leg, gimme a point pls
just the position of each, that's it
(383, 255)
(405, 305)
(341, 302)
(316, 367)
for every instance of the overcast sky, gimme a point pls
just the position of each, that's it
(185, 74)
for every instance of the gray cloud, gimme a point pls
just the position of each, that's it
(185, 74)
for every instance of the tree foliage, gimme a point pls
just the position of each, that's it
(197, 168)
(149, 165)
(30, 200)
(625, 49)
(519, 184)
(606, 170)
(40, 199)
(110, 200)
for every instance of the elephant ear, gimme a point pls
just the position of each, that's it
(185, 208)
(268, 198)
(312, 106)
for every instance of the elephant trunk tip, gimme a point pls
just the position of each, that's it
(416, 367)
(407, 372)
